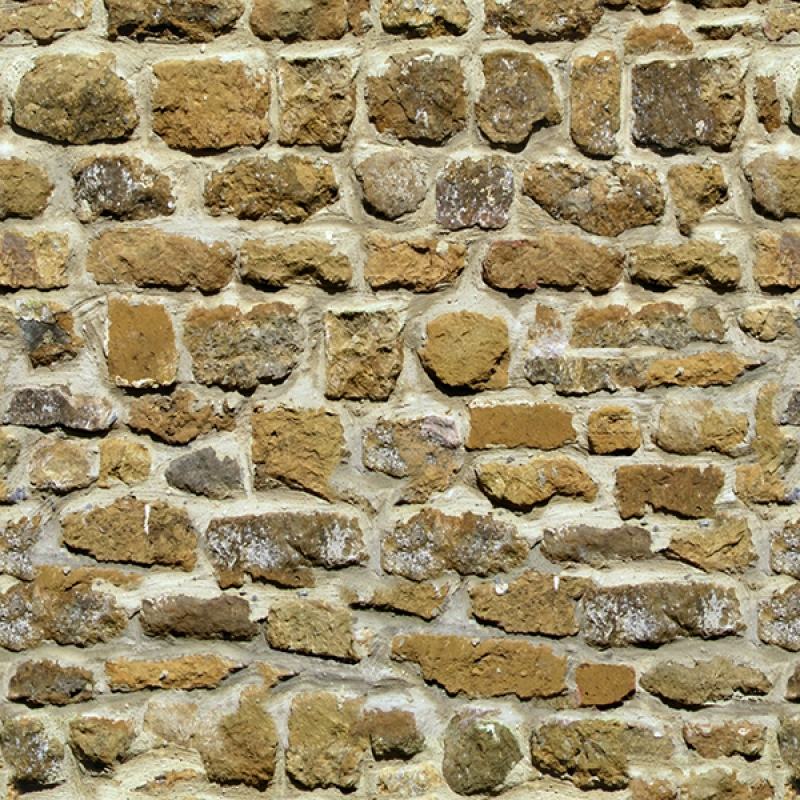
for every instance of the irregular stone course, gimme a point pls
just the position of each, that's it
(399, 399)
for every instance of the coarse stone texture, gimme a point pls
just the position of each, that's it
(75, 99)
(711, 368)
(48, 332)
(122, 187)
(61, 466)
(768, 104)
(604, 685)
(313, 627)
(768, 323)
(298, 448)
(393, 183)
(533, 604)
(704, 682)
(523, 486)
(474, 192)
(35, 758)
(722, 783)
(141, 349)
(59, 606)
(431, 19)
(534, 20)
(785, 550)
(778, 619)
(478, 754)
(422, 600)
(518, 97)
(696, 189)
(182, 21)
(652, 614)
(393, 734)
(426, 450)
(289, 189)
(326, 744)
(420, 97)
(56, 406)
(40, 683)
(689, 427)
(278, 266)
(209, 104)
(18, 538)
(431, 542)
(641, 39)
(204, 472)
(776, 451)
(490, 668)
(364, 353)
(666, 266)
(684, 491)
(593, 754)
(557, 260)
(282, 547)
(100, 742)
(244, 746)
(148, 257)
(681, 105)
(597, 547)
(578, 375)
(735, 738)
(133, 531)
(725, 546)
(777, 266)
(223, 617)
(599, 200)
(595, 102)
(237, 350)
(186, 672)
(292, 21)
(44, 21)
(467, 351)
(545, 426)
(179, 418)
(655, 324)
(239, 747)
(33, 261)
(24, 189)
(420, 265)
(408, 780)
(613, 429)
(774, 181)
(317, 101)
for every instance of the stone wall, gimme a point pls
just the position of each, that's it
(400, 399)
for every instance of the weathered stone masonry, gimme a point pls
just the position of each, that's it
(400, 399)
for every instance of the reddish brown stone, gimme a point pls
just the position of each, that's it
(491, 668)
(537, 603)
(141, 346)
(546, 426)
(133, 531)
(209, 104)
(149, 257)
(420, 265)
(223, 617)
(603, 685)
(564, 262)
(685, 491)
(179, 418)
